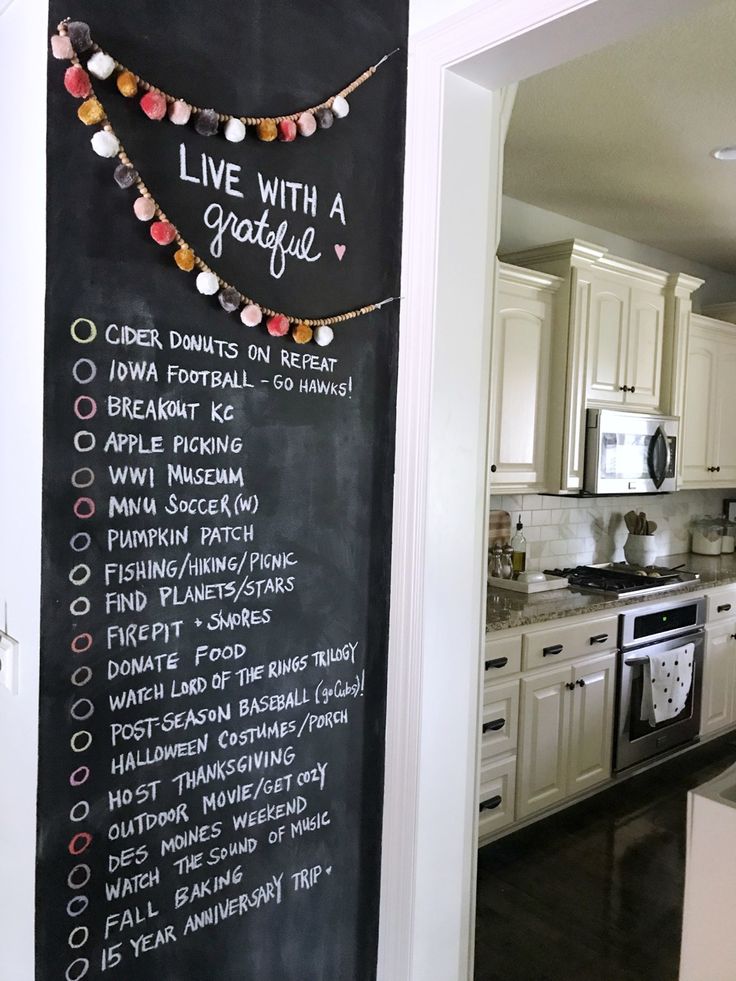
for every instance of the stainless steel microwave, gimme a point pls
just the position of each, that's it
(630, 452)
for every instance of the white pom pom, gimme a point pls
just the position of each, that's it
(323, 335)
(105, 144)
(340, 107)
(101, 65)
(207, 283)
(234, 131)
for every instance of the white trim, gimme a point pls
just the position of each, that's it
(438, 571)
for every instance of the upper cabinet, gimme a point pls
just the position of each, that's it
(520, 355)
(708, 457)
(618, 332)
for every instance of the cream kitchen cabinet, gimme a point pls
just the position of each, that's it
(625, 340)
(566, 731)
(520, 355)
(616, 341)
(718, 702)
(708, 457)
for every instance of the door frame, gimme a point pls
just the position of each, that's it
(456, 117)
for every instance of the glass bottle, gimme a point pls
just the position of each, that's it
(518, 546)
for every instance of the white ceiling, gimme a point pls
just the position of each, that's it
(621, 138)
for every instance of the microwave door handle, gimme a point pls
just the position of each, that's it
(659, 446)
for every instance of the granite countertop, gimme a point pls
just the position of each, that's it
(506, 609)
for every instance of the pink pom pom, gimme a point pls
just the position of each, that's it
(144, 208)
(306, 124)
(251, 315)
(163, 232)
(76, 82)
(154, 105)
(61, 47)
(278, 326)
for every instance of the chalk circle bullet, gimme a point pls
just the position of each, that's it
(80, 607)
(83, 334)
(84, 441)
(81, 643)
(77, 970)
(80, 812)
(83, 477)
(80, 541)
(80, 574)
(79, 844)
(79, 776)
(77, 905)
(84, 371)
(84, 508)
(82, 710)
(85, 407)
(79, 876)
(82, 676)
(81, 741)
(78, 937)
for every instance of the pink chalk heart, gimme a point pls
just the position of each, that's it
(340, 251)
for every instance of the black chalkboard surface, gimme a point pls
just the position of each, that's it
(217, 509)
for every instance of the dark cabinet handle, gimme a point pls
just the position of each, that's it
(492, 803)
(711, 469)
(724, 608)
(733, 636)
(570, 686)
(581, 683)
(632, 389)
(718, 469)
(497, 662)
(623, 388)
(550, 651)
(494, 726)
(493, 468)
(599, 639)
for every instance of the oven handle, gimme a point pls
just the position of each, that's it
(636, 660)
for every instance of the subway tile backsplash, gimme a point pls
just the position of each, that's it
(571, 531)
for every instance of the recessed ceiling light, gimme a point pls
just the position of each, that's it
(724, 153)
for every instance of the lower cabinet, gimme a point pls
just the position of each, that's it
(565, 732)
(718, 702)
(497, 794)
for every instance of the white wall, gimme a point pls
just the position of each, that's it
(22, 205)
(524, 226)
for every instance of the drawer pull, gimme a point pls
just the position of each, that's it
(492, 803)
(554, 649)
(494, 725)
(599, 639)
(723, 608)
(497, 662)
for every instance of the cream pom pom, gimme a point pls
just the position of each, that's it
(105, 144)
(323, 335)
(207, 283)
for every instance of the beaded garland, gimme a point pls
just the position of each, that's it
(157, 104)
(74, 37)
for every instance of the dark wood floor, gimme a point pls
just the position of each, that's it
(594, 893)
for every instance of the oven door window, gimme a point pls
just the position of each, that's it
(638, 727)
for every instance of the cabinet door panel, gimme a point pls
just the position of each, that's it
(520, 367)
(591, 732)
(725, 455)
(719, 672)
(644, 358)
(697, 421)
(542, 776)
(607, 343)
(499, 722)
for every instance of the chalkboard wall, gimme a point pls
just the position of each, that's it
(217, 510)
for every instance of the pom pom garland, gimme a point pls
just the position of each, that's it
(74, 38)
(106, 144)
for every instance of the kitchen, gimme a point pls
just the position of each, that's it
(613, 356)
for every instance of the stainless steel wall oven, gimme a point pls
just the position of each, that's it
(661, 651)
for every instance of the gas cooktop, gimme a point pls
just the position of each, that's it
(617, 579)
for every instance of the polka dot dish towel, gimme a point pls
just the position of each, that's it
(667, 680)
